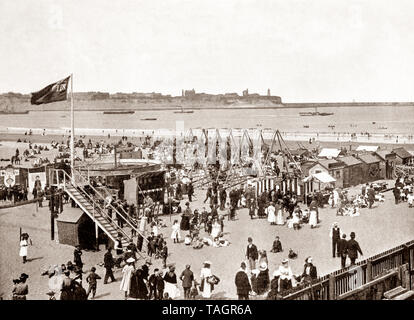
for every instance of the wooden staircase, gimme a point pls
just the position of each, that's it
(399, 293)
(93, 204)
(95, 213)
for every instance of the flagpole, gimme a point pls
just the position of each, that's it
(72, 125)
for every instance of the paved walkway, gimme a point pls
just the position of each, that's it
(378, 229)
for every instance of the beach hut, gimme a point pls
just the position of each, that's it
(371, 167)
(387, 163)
(403, 156)
(352, 171)
(76, 228)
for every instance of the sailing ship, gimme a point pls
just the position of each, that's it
(184, 111)
(315, 113)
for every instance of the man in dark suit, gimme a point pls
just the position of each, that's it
(251, 254)
(343, 249)
(353, 249)
(190, 191)
(109, 264)
(187, 277)
(336, 236)
(242, 283)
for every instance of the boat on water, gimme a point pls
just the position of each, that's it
(316, 113)
(149, 119)
(306, 126)
(184, 111)
(382, 128)
(13, 112)
(119, 112)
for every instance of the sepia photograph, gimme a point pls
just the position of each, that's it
(207, 151)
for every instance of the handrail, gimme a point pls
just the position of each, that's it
(103, 211)
(342, 272)
(117, 211)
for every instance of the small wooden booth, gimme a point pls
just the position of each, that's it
(76, 228)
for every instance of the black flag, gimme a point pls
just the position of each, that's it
(53, 92)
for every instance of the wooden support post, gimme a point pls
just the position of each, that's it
(96, 236)
(52, 225)
(332, 294)
(368, 271)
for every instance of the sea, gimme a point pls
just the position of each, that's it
(374, 120)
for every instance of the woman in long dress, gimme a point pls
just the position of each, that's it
(126, 277)
(280, 220)
(23, 246)
(138, 288)
(206, 287)
(271, 216)
(175, 234)
(216, 229)
(170, 281)
(313, 216)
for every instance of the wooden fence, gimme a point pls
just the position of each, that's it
(341, 283)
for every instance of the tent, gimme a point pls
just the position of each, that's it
(317, 182)
(367, 148)
(329, 153)
(322, 177)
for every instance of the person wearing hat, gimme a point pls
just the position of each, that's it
(66, 291)
(309, 271)
(126, 276)
(251, 253)
(335, 234)
(187, 277)
(156, 285)
(175, 233)
(277, 245)
(92, 280)
(109, 263)
(21, 289)
(170, 279)
(353, 248)
(23, 246)
(242, 283)
(263, 279)
(271, 213)
(206, 287)
(343, 250)
(286, 275)
(190, 191)
(77, 257)
(274, 286)
(185, 218)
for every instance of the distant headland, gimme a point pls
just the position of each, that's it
(189, 99)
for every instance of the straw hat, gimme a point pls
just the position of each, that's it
(263, 266)
(285, 261)
(130, 260)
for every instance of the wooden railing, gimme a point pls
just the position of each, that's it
(344, 281)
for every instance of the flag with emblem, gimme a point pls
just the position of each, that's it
(53, 92)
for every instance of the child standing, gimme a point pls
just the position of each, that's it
(91, 279)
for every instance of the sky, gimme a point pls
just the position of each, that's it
(303, 51)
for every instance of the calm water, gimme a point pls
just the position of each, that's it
(345, 119)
